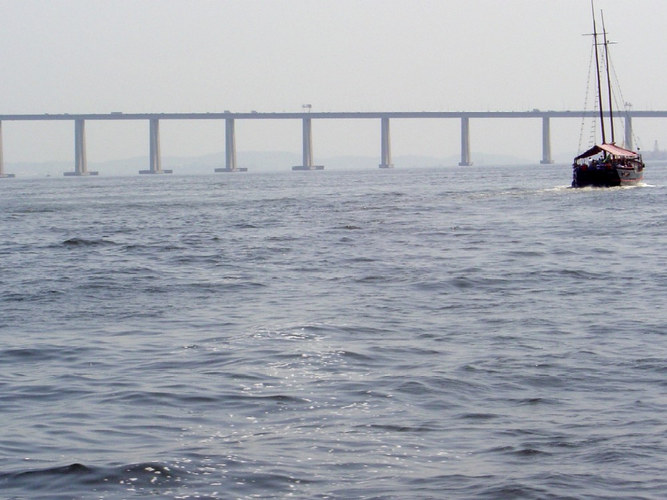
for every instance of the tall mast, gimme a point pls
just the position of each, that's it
(606, 57)
(597, 70)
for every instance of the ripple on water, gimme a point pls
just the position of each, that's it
(333, 336)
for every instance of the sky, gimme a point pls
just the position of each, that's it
(100, 56)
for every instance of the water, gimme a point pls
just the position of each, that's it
(444, 333)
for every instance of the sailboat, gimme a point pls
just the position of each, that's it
(606, 164)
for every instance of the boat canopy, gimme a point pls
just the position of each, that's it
(612, 149)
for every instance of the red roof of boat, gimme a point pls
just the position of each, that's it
(612, 149)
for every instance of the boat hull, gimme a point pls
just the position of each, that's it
(606, 176)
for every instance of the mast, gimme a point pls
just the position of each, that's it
(606, 57)
(597, 70)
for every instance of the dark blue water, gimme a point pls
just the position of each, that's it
(449, 333)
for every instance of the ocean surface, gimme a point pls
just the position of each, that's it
(481, 333)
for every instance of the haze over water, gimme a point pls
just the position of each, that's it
(478, 332)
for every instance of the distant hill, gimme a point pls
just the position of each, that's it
(254, 161)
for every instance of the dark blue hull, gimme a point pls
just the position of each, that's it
(606, 175)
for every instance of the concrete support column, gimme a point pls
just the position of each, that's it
(80, 163)
(80, 159)
(155, 161)
(308, 148)
(465, 142)
(307, 143)
(230, 148)
(155, 158)
(385, 158)
(230, 144)
(546, 141)
(628, 132)
(2, 161)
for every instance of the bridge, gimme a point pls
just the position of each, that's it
(155, 164)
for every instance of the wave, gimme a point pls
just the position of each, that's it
(72, 242)
(75, 479)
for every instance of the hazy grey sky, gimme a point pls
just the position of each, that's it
(84, 56)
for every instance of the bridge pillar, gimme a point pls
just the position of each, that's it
(546, 141)
(2, 163)
(308, 148)
(465, 142)
(230, 148)
(230, 145)
(155, 159)
(628, 132)
(385, 145)
(80, 159)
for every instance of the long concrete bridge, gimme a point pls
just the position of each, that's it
(155, 166)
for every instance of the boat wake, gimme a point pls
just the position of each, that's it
(556, 189)
(586, 189)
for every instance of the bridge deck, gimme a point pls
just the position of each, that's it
(327, 115)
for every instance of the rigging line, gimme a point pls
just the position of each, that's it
(616, 93)
(597, 70)
(606, 58)
(588, 91)
(592, 138)
(623, 104)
